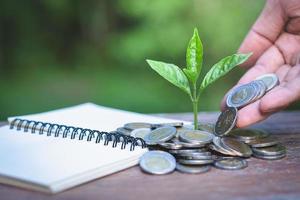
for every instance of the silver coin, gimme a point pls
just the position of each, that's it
(194, 153)
(264, 157)
(226, 121)
(140, 132)
(270, 151)
(174, 124)
(195, 162)
(216, 149)
(208, 127)
(124, 131)
(231, 163)
(186, 144)
(195, 156)
(171, 145)
(270, 80)
(192, 145)
(160, 135)
(241, 96)
(246, 135)
(187, 151)
(263, 142)
(262, 89)
(196, 136)
(190, 169)
(179, 131)
(136, 125)
(157, 162)
(239, 148)
(219, 147)
(257, 91)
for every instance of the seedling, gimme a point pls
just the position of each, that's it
(187, 78)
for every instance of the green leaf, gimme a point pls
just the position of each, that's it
(194, 57)
(172, 73)
(223, 67)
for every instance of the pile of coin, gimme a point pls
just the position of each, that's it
(177, 146)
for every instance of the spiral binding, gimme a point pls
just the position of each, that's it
(82, 133)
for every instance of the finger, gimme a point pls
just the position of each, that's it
(269, 62)
(281, 97)
(282, 72)
(289, 46)
(250, 114)
(293, 73)
(293, 25)
(264, 32)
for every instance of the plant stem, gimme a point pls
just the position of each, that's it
(195, 106)
(195, 110)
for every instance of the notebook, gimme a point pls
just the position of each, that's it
(47, 152)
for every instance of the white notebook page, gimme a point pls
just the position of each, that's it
(57, 164)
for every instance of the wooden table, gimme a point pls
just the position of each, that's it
(260, 180)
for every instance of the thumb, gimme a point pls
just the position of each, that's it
(283, 95)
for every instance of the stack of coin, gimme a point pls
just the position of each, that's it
(250, 92)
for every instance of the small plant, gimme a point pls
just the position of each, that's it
(187, 79)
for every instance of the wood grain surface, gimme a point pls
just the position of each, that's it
(260, 180)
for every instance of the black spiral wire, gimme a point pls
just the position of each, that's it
(82, 133)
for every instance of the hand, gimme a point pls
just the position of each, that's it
(274, 40)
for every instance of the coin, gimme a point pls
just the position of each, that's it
(264, 157)
(270, 151)
(196, 156)
(187, 150)
(194, 153)
(174, 124)
(247, 135)
(192, 145)
(140, 132)
(262, 88)
(157, 162)
(239, 148)
(179, 131)
(195, 162)
(219, 147)
(190, 169)
(196, 136)
(230, 163)
(257, 91)
(123, 131)
(208, 127)
(136, 125)
(226, 121)
(270, 80)
(241, 96)
(263, 142)
(171, 145)
(186, 144)
(160, 135)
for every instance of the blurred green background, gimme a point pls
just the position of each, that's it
(57, 53)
